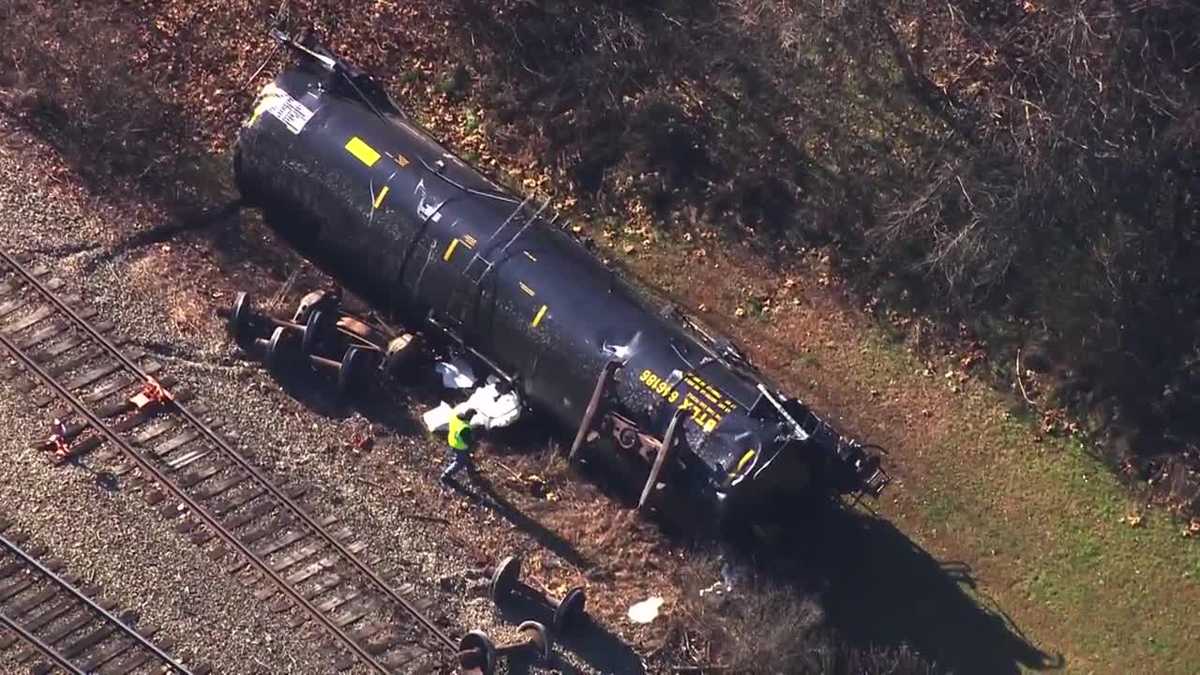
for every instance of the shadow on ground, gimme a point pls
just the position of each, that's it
(317, 391)
(480, 490)
(883, 589)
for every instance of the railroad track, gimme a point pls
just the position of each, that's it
(63, 625)
(116, 405)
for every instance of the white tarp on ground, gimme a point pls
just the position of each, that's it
(645, 611)
(493, 410)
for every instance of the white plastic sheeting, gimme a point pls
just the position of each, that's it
(493, 410)
(456, 374)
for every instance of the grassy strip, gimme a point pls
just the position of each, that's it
(1054, 538)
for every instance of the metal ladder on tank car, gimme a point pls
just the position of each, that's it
(466, 296)
(511, 222)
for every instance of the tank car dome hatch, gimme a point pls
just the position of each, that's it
(371, 198)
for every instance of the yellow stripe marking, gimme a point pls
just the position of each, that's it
(379, 197)
(744, 461)
(450, 250)
(528, 290)
(538, 319)
(265, 99)
(259, 110)
(365, 153)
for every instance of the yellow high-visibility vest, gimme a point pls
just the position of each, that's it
(459, 435)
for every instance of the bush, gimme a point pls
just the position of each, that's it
(1026, 168)
(766, 626)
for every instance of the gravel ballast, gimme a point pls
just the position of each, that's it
(423, 534)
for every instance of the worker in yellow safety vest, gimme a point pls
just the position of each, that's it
(459, 438)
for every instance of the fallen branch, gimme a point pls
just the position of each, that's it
(1021, 383)
(512, 473)
(270, 57)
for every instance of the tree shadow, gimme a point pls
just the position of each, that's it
(883, 589)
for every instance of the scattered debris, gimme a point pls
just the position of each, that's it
(1133, 519)
(717, 594)
(361, 440)
(645, 611)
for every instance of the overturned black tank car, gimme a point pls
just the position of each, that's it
(370, 197)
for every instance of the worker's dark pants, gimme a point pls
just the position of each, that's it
(459, 460)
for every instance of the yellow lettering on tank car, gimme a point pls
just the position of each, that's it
(662, 387)
(365, 153)
(709, 426)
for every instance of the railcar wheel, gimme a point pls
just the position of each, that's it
(280, 349)
(477, 653)
(539, 639)
(316, 329)
(504, 580)
(356, 364)
(240, 318)
(570, 610)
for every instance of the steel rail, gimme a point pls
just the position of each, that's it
(48, 650)
(197, 509)
(109, 616)
(220, 442)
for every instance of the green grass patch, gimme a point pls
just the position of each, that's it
(1093, 574)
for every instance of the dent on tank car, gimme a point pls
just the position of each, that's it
(371, 198)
